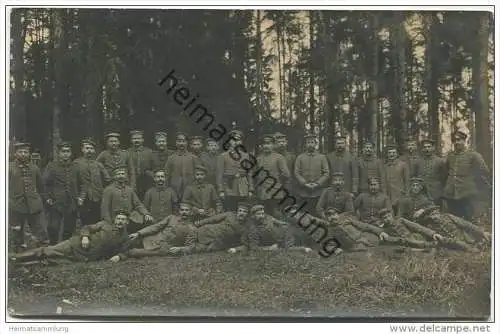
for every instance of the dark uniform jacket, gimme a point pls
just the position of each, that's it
(172, 231)
(210, 162)
(223, 229)
(369, 205)
(160, 202)
(60, 181)
(202, 196)
(268, 181)
(25, 188)
(343, 201)
(404, 228)
(413, 162)
(120, 158)
(117, 197)
(433, 171)
(350, 232)
(464, 171)
(346, 163)
(142, 161)
(409, 204)
(288, 183)
(232, 178)
(106, 240)
(397, 180)
(311, 167)
(92, 177)
(179, 170)
(371, 167)
(266, 233)
(160, 158)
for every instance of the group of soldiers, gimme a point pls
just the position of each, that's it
(142, 202)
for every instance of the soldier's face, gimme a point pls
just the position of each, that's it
(267, 147)
(120, 176)
(416, 188)
(65, 153)
(374, 187)
(242, 213)
(181, 143)
(161, 143)
(411, 146)
(137, 140)
(392, 154)
(22, 154)
(196, 145)
(121, 220)
(212, 147)
(338, 182)
(387, 218)
(259, 215)
(159, 178)
(199, 175)
(88, 150)
(236, 142)
(113, 143)
(459, 143)
(332, 216)
(428, 148)
(185, 211)
(282, 143)
(367, 149)
(35, 161)
(310, 144)
(340, 144)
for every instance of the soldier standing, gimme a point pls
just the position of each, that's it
(25, 200)
(466, 173)
(370, 166)
(233, 181)
(161, 201)
(342, 161)
(119, 196)
(92, 177)
(335, 197)
(60, 181)
(368, 204)
(412, 157)
(202, 195)
(312, 173)
(433, 172)
(142, 161)
(209, 159)
(281, 147)
(397, 176)
(180, 166)
(161, 152)
(276, 169)
(36, 159)
(196, 146)
(114, 157)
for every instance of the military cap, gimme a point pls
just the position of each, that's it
(181, 134)
(160, 134)
(338, 174)
(118, 169)
(331, 209)
(88, 141)
(112, 135)
(158, 170)
(416, 180)
(244, 205)
(197, 138)
(428, 140)
(257, 207)
(22, 146)
(268, 138)
(137, 132)
(279, 135)
(384, 212)
(367, 141)
(210, 139)
(373, 178)
(410, 138)
(236, 134)
(340, 135)
(391, 146)
(200, 168)
(309, 135)
(122, 212)
(64, 144)
(459, 135)
(35, 155)
(186, 203)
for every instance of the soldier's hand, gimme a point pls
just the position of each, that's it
(133, 236)
(85, 242)
(418, 213)
(201, 211)
(384, 236)
(174, 250)
(273, 247)
(250, 194)
(437, 237)
(232, 250)
(148, 218)
(221, 194)
(197, 223)
(50, 201)
(307, 249)
(115, 258)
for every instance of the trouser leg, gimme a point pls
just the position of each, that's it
(37, 227)
(141, 252)
(16, 229)
(55, 225)
(69, 225)
(90, 212)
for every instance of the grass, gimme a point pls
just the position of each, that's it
(379, 283)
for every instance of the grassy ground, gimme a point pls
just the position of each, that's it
(380, 283)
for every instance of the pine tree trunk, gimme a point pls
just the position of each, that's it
(480, 88)
(372, 126)
(398, 106)
(311, 70)
(18, 107)
(58, 54)
(432, 79)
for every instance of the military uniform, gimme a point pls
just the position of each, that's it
(351, 234)
(433, 171)
(218, 232)
(288, 183)
(142, 161)
(371, 167)
(397, 181)
(368, 205)
(465, 170)
(202, 196)
(114, 159)
(414, 164)
(106, 240)
(120, 197)
(60, 180)
(266, 233)
(311, 167)
(36, 159)
(92, 177)
(209, 160)
(160, 201)
(179, 170)
(342, 201)
(25, 200)
(347, 164)
(160, 157)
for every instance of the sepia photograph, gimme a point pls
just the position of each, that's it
(249, 163)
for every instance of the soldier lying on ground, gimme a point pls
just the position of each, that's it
(454, 228)
(94, 242)
(263, 232)
(219, 232)
(160, 238)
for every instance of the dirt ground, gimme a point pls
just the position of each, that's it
(383, 282)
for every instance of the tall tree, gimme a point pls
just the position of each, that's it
(432, 69)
